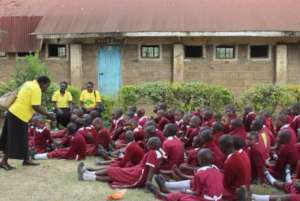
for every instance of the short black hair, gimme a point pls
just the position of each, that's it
(91, 83)
(43, 79)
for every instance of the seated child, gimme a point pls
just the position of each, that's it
(288, 155)
(77, 150)
(136, 176)
(173, 147)
(41, 136)
(207, 184)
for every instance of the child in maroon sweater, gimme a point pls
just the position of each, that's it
(41, 137)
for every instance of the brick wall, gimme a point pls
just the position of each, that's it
(135, 70)
(237, 74)
(7, 67)
(294, 63)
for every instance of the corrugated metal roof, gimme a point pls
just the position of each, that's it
(105, 16)
(119, 16)
(18, 36)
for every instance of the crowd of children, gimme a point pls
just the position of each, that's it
(188, 156)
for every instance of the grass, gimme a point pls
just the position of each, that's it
(56, 180)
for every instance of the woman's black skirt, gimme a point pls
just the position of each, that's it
(14, 137)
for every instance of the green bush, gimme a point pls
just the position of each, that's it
(186, 96)
(75, 94)
(29, 69)
(128, 95)
(268, 97)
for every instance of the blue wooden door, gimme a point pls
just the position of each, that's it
(109, 70)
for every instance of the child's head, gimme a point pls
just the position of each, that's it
(80, 122)
(284, 137)
(218, 127)
(141, 112)
(87, 120)
(248, 109)
(197, 141)
(160, 113)
(131, 124)
(72, 128)
(230, 109)
(77, 112)
(170, 130)
(208, 114)
(257, 124)
(153, 143)
(35, 120)
(226, 144)
(207, 135)
(205, 157)
(252, 138)
(74, 118)
(239, 143)
(132, 109)
(117, 113)
(281, 120)
(236, 123)
(98, 123)
(129, 135)
(195, 122)
(94, 114)
(187, 118)
(40, 121)
(178, 115)
(150, 131)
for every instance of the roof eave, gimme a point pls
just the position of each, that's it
(172, 34)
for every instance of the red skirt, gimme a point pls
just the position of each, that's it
(127, 177)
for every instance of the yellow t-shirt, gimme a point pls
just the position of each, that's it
(29, 94)
(62, 101)
(90, 100)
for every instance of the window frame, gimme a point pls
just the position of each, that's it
(5, 55)
(23, 57)
(236, 50)
(149, 59)
(195, 58)
(57, 58)
(269, 58)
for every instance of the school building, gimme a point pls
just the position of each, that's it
(235, 43)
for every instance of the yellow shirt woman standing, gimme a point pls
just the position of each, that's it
(14, 138)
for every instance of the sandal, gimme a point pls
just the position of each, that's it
(7, 167)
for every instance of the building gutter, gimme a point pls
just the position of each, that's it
(171, 34)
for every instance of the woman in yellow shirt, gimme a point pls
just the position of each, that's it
(90, 98)
(63, 101)
(14, 138)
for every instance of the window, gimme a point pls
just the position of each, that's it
(193, 51)
(225, 52)
(2, 54)
(57, 50)
(259, 51)
(24, 54)
(150, 51)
